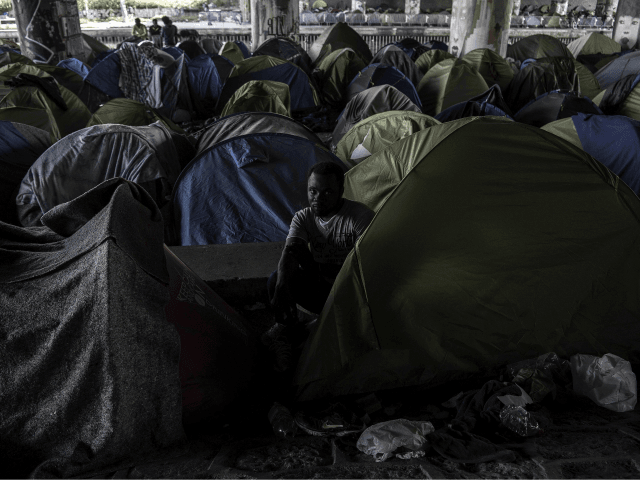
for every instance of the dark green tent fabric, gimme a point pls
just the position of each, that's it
(231, 51)
(334, 74)
(10, 57)
(68, 121)
(545, 75)
(430, 58)
(622, 98)
(260, 96)
(395, 57)
(337, 37)
(377, 132)
(447, 83)
(124, 111)
(592, 43)
(523, 244)
(538, 46)
(39, 117)
(494, 69)
(589, 86)
(384, 98)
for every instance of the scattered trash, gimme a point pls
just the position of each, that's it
(336, 420)
(382, 439)
(409, 455)
(540, 376)
(284, 426)
(517, 400)
(608, 381)
(518, 420)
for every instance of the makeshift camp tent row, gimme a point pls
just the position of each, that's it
(523, 244)
(553, 106)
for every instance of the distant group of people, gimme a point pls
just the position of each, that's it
(160, 36)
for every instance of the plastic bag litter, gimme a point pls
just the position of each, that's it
(382, 439)
(608, 381)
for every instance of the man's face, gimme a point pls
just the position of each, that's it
(324, 194)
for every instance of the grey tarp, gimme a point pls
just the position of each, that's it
(90, 364)
(83, 160)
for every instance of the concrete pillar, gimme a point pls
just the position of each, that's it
(412, 7)
(269, 18)
(123, 8)
(480, 24)
(561, 7)
(515, 10)
(627, 25)
(605, 8)
(49, 30)
(245, 10)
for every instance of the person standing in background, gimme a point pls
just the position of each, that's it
(169, 32)
(156, 33)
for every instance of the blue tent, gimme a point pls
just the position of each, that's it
(613, 140)
(490, 102)
(623, 66)
(378, 74)
(552, 106)
(101, 56)
(74, 65)
(106, 75)
(244, 189)
(303, 95)
(207, 74)
(20, 147)
(176, 52)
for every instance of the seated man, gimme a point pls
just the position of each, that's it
(139, 31)
(330, 227)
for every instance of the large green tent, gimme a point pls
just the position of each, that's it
(41, 118)
(449, 82)
(260, 96)
(538, 46)
(589, 86)
(522, 244)
(334, 74)
(73, 118)
(377, 132)
(592, 43)
(494, 69)
(430, 58)
(336, 37)
(124, 111)
(232, 52)
(11, 57)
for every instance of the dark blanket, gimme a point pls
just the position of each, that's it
(478, 414)
(90, 364)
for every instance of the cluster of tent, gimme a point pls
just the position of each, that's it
(505, 191)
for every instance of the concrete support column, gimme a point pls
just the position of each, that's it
(626, 29)
(605, 8)
(49, 30)
(412, 7)
(480, 24)
(561, 7)
(245, 10)
(273, 18)
(123, 8)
